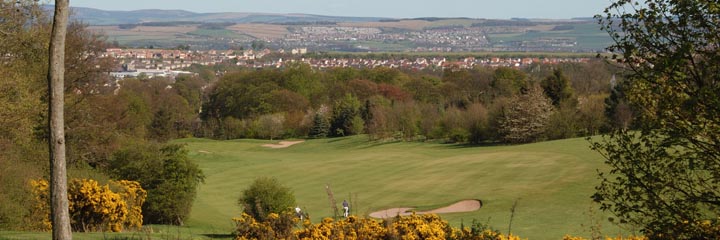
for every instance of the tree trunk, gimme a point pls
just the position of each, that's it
(56, 85)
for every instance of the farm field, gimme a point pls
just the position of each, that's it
(412, 24)
(262, 31)
(587, 35)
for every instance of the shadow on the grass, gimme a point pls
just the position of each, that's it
(219, 236)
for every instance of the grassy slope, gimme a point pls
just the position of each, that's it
(552, 180)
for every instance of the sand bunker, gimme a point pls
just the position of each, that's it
(461, 206)
(282, 144)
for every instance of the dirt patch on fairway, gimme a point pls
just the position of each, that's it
(461, 206)
(203, 151)
(282, 144)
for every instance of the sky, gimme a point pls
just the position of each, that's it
(494, 9)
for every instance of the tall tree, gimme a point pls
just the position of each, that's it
(526, 117)
(665, 178)
(56, 87)
(508, 81)
(557, 87)
(344, 111)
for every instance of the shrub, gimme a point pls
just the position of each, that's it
(167, 173)
(275, 226)
(344, 111)
(134, 196)
(350, 228)
(430, 226)
(266, 196)
(94, 207)
(321, 124)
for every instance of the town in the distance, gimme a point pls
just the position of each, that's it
(162, 42)
(169, 63)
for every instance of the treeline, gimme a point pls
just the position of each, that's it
(111, 133)
(505, 23)
(476, 105)
(158, 24)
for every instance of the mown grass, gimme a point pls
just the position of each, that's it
(552, 181)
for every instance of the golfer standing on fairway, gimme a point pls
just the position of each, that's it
(346, 207)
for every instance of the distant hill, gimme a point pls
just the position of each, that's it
(102, 17)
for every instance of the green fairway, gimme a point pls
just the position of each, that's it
(552, 181)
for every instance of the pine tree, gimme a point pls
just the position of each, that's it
(321, 125)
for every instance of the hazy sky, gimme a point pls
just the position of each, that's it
(372, 8)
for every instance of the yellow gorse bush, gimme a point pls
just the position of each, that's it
(487, 234)
(411, 227)
(134, 196)
(40, 214)
(351, 228)
(276, 226)
(568, 237)
(416, 227)
(95, 207)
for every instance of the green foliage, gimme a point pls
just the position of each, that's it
(288, 101)
(168, 175)
(564, 123)
(466, 86)
(242, 95)
(394, 100)
(508, 81)
(385, 75)
(618, 110)
(592, 114)
(321, 124)
(344, 113)
(266, 196)
(664, 177)
(270, 125)
(357, 125)
(557, 87)
(190, 88)
(300, 78)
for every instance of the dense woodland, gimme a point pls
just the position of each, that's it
(121, 131)
(478, 105)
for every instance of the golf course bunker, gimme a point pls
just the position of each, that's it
(461, 206)
(282, 144)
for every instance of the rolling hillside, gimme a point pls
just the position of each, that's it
(551, 181)
(103, 17)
